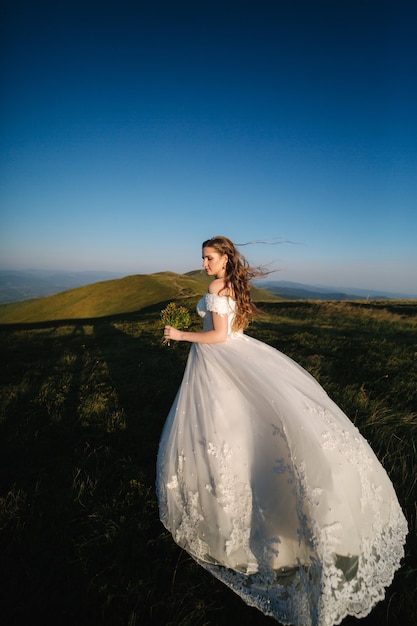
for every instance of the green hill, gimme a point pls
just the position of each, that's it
(112, 297)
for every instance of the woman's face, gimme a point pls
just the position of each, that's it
(214, 263)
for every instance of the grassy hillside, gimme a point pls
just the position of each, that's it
(82, 406)
(111, 297)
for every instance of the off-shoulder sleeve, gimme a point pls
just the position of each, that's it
(217, 304)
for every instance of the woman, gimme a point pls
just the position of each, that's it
(263, 479)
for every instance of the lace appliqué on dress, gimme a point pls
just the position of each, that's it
(217, 304)
(331, 584)
(232, 497)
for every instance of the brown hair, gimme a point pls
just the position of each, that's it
(237, 277)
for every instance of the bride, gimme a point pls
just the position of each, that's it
(262, 478)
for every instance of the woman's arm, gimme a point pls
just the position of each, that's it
(220, 324)
(217, 335)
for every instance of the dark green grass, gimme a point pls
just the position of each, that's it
(82, 408)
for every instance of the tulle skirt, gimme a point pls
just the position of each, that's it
(267, 484)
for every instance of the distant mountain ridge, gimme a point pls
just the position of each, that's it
(300, 291)
(18, 285)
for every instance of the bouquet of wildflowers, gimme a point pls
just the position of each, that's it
(175, 316)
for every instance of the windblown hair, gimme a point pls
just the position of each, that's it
(237, 278)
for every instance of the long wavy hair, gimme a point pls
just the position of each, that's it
(237, 279)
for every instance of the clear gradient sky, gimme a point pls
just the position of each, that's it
(132, 131)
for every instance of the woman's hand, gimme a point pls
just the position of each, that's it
(171, 333)
(216, 335)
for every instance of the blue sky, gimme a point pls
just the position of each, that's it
(132, 131)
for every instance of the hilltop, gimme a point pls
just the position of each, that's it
(113, 297)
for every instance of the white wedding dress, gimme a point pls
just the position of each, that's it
(270, 487)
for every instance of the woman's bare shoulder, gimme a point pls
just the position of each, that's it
(218, 288)
(215, 286)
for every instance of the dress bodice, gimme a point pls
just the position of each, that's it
(223, 305)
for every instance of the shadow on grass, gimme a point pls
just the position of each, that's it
(79, 432)
(81, 540)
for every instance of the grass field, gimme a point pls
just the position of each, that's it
(83, 403)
